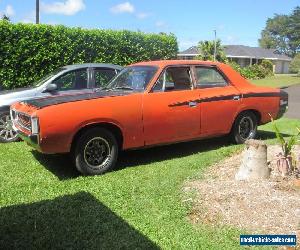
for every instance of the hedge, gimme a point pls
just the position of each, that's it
(29, 51)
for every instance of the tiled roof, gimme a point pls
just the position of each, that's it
(190, 51)
(243, 51)
(253, 52)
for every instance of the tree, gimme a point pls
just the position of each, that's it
(207, 48)
(282, 32)
(295, 64)
(5, 18)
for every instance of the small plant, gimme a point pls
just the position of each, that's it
(284, 160)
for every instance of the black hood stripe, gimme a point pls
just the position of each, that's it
(49, 101)
(227, 97)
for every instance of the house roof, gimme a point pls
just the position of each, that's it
(253, 52)
(242, 51)
(190, 51)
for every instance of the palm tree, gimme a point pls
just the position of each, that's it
(206, 49)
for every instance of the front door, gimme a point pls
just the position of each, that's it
(170, 112)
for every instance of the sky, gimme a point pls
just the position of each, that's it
(235, 21)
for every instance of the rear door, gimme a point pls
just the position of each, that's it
(219, 100)
(170, 112)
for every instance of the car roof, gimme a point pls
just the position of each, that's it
(92, 65)
(164, 63)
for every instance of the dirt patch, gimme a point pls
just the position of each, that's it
(265, 206)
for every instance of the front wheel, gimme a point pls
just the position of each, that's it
(7, 133)
(244, 127)
(96, 151)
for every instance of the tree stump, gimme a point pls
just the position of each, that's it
(254, 164)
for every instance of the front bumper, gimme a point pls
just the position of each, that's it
(32, 140)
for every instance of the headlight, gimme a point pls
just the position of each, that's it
(34, 125)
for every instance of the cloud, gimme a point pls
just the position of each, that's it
(9, 11)
(142, 15)
(187, 43)
(68, 7)
(231, 39)
(123, 8)
(29, 17)
(160, 24)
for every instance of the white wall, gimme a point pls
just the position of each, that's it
(282, 67)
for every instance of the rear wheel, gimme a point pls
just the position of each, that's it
(7, 134)
(96, 152)
(244, 127)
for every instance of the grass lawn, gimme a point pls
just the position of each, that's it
(45, 204)
(278, 81)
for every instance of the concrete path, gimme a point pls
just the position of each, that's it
(294, 102)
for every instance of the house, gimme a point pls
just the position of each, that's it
(245, 56)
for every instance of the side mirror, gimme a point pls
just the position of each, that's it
(169, 86)
(51, 87)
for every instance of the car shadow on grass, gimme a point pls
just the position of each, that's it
(77, 221)
(63, 168)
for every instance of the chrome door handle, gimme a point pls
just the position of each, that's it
(236, 97)
(193, 104)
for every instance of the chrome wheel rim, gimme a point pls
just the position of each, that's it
(7, 132)
(246, 128)
(97, 153)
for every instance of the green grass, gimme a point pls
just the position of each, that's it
(278, 81)
(45, 204)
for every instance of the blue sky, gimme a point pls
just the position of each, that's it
(236, 21)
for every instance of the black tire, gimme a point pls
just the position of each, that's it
(244, 127)
(7, 134)
(95, 152)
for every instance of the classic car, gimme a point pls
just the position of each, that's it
(72, 78)
(147, 104)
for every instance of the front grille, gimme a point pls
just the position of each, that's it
(23, 120)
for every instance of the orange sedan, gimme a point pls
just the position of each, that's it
(147, 104)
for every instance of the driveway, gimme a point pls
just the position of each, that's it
(294, 102)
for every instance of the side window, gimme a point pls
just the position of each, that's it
(76, 79)
(209, 78)
(103, 76)
(174, 79)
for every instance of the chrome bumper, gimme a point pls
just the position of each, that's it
(32, 140)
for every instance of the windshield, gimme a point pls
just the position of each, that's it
(135, 78)
(46, 78)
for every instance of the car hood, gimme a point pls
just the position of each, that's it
(9, 96)
(39, 103)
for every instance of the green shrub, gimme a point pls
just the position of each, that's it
(30, 51)
(268, 65)
(255, 71)
(295, 64)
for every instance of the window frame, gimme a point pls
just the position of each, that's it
(192, 78)
(198, 86)
(92, 74)
(72, 71)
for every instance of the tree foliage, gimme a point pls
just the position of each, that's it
(295, 64)
(29, 51)
(282, 32)
(5, 18)
(207, 48)
(255, 71)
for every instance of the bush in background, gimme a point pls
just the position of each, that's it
(295, 64)
(254, 71)
(29, 51)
